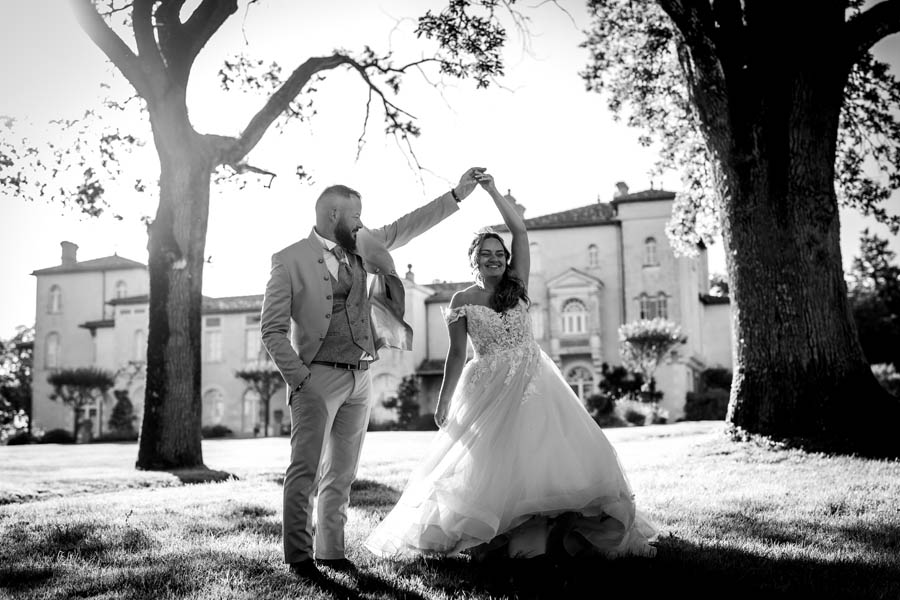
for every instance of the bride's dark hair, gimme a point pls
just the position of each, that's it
(511, 288)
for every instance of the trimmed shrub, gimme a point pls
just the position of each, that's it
(57, 436)
(215, 431)
(20, 439)
(118, 436)
(423, 423)
(711, 405)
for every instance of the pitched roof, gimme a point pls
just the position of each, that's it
(128, 300)
(228, 304)
(98, 324)
(444, 290)
(644, 196)
(599, 213)
(232, 304)
(107, 263)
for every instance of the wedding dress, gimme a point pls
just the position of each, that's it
(518, 462)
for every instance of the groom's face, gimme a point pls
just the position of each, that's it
(348, 223)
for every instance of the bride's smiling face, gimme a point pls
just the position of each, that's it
(491, 258)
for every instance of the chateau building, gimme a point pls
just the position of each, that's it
(593, 268)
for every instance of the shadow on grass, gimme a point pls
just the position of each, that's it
(201, 475)
(371, 495)
(679, 569)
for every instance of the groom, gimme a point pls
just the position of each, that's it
(317, 295)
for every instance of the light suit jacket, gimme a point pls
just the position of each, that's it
(297, 303)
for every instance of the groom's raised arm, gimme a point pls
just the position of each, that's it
(422, 219)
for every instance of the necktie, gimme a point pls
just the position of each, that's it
(338, 253)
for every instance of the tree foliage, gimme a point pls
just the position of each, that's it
(874, 288)
(265, 380)
(79, 388)
(16, 365)
(639, 60)
(405, 402)
(647, 343)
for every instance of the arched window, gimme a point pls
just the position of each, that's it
(574, 317)
(213, 406)
(54, 305)
(581, 380)
(140, 345)
(51, 360)
(650, 255)
(121, 289)
(535, 256)
(593, 256)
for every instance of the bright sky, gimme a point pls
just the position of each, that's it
(542, 136)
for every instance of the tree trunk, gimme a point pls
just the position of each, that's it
(170, 434)
(800, 373)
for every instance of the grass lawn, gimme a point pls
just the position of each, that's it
(740, 521)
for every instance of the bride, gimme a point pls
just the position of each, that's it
(518, 467)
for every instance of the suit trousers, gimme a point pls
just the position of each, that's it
(329, 417)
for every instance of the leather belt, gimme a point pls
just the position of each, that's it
(360, 366)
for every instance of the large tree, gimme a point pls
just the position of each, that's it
(772, 110)
(153, 44)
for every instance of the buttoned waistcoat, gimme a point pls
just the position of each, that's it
(298, 299)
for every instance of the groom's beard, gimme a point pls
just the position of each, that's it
(345, 237)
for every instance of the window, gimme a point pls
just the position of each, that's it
(212, 339)
(52, 358)
(121, 289)
(652, 307)
(650, 256)
(214, 405)
(593, 256)
(581, 380)
(574, 317)
(54, 305)
(252, 345)
(140, 345)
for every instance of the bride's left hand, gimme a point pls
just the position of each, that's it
(485, 180)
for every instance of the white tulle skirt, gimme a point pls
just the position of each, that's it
(519, 463)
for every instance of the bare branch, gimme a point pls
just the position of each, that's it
(203, 23)
(867, 28)
(278, 102)
(111, 45)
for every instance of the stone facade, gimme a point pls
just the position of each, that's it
(593, 268)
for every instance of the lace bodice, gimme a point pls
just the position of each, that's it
(492, 332)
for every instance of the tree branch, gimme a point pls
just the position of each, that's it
(148, 51)
(867, 28)
(700, 61)
(111, 45)
(278, 103)
(202, 24)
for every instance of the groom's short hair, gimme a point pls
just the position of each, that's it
(337, 190)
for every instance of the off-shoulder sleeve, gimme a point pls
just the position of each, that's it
(454, 314)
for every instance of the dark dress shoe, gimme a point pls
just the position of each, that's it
(308, 571)
(341, 565)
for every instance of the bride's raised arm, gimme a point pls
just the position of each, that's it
(520, 263)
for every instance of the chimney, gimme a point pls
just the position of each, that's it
(69, 253)
(516, 205)
(409, 274)
(621, 189)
